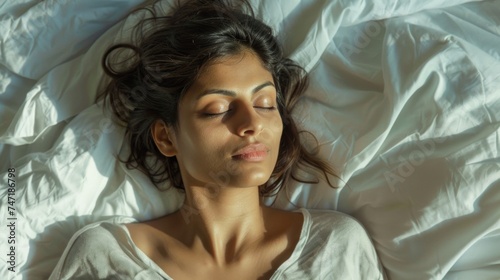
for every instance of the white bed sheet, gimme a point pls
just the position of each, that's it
(406, 102)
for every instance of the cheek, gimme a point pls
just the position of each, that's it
(273, 130)
(207, 145)
(201, 155)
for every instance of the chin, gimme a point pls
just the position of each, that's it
(253, 180)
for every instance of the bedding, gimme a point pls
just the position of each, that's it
(404, 100)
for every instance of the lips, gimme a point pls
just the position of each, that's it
(252, 152)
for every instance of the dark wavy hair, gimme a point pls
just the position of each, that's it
(166, 58)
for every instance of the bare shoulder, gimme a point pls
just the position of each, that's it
(138, 233)
(148, 235)
(284, 222)
(141, 236)
(283, 215)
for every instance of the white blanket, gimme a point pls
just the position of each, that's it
(404, 99)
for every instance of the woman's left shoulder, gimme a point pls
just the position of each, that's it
(342, 235)
(329, 216)
(337, 223)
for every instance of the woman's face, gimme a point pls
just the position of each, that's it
(229, 126)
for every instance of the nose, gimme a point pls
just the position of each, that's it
(248, 121)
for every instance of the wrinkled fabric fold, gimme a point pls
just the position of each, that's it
(404, 101)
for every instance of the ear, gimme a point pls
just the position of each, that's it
(163, 136)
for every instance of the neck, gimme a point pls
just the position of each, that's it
(224, 221)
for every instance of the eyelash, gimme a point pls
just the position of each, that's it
(208, 115)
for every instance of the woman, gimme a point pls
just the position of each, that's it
(206, 99)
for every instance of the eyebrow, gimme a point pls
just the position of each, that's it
(233, 93)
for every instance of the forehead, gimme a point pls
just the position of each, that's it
(238, 73)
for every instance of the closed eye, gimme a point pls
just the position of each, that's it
(214, 115)
(221, 114)
(265, 108)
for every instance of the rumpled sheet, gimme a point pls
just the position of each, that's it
(404, 99)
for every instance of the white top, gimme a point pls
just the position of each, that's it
(332, 245)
